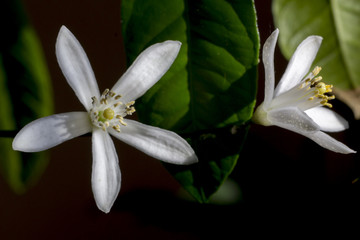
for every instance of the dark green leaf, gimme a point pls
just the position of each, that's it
(211, 85)
(218, 151)
(25, 93)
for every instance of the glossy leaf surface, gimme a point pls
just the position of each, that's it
(210, 87)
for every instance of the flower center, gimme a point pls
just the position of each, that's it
(318, 88)
(309, 93)
(108, 114)
(110, 111)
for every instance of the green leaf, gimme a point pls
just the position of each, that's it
(210, 87)
(25, 93)
(337, 22)
(218, 151)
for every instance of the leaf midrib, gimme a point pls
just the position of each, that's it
(194, 125)
(192, 103)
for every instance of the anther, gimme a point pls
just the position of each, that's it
(325, 103)
(316, 70)
(317, 79)
(105, 92)
(116, 128)
(122, 122)
(130, 111)
(130, 103)
(102, 126)
(117, 104)
(329, 88)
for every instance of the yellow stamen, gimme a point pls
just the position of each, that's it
(112, 94)
(316, 80)
(316, 70)
(116, 128)
(105, 92)
(122, 122)
(117, 104)
(130, 111)
(103, 101)
(130, 103)
(320, 88)
(108, 111)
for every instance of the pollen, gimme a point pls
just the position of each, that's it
(320, 88)
(109, 111)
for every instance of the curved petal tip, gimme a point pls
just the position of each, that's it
(268, 61)
(106, 175)
(76, 67)
(189, 160)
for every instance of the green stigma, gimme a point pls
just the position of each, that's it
(106, 115)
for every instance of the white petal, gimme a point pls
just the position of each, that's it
(268, 61)
(293, 119)
(50, 131)
(328, 120)
(156, 142)
(76, 67)
(329, 143)
(106, 176)
(146, 70)
(299, 64)
(299, 123)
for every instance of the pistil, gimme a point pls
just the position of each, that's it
(110, 111)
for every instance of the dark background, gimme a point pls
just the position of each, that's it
(283, 177)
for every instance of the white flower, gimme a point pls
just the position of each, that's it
(105, 115)
(299, 102)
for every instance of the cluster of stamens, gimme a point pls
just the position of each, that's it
(109, 111)
(317, 88)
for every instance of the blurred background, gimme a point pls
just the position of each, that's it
(279, 173)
